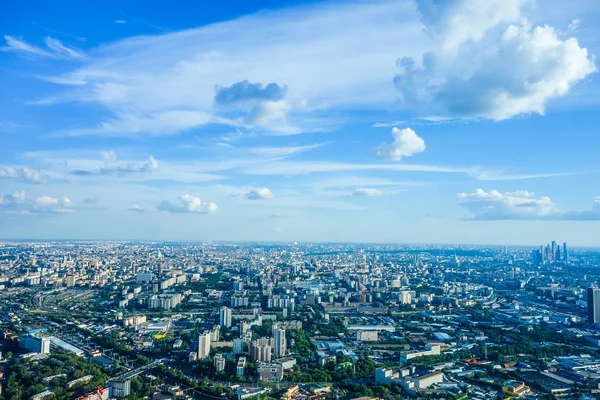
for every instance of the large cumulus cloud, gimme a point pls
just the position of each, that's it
(490, 62)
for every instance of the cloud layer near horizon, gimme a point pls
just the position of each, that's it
(520, 205)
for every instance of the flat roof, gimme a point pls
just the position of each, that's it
(64, 345)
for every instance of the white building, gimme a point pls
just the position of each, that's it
(367, 336)
(430, 351)
(225, 317)
(219, 362)
(405, 297)
(280, 342)
(203, 345)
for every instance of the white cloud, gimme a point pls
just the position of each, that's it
(259, 194)
(284, 151)
(13, 199)
(271, 115)
(406, 143)
(455, 22)
(574, 25)
(111, 166)
(264, 106)
(60, 50)
(277, 167)
(519, 205)
(490, 64)
(135, 208)
(18, 45)
(333, 55)
(56, 49)
(388, 124)
(189, 204)
(367, 192)
(27, 175)
(18, 203)
(120, 21)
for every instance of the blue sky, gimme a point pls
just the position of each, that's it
(383, 121)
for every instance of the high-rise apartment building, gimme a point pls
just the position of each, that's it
(225, 317)
(219, 362)
(260, 350)
(280, 342)
(204, 345)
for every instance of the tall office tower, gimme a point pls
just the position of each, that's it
(565, 254)
(554, 250)
(548, 253)
(225, 317)
(203, 345)
(280, 343)
(542, 254)
(557, 253)
(593, 298)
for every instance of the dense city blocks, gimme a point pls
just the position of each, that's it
(100, 320)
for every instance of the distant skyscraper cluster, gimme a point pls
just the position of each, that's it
(550, 253)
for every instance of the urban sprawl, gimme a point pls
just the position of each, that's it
(152, 320)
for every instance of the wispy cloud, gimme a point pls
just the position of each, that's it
(55, 48)
(283, 151)
(506, 175)
(60, 50)
(367, 192)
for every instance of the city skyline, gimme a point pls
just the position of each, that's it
(284, 121)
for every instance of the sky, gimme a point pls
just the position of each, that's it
(397, 121)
